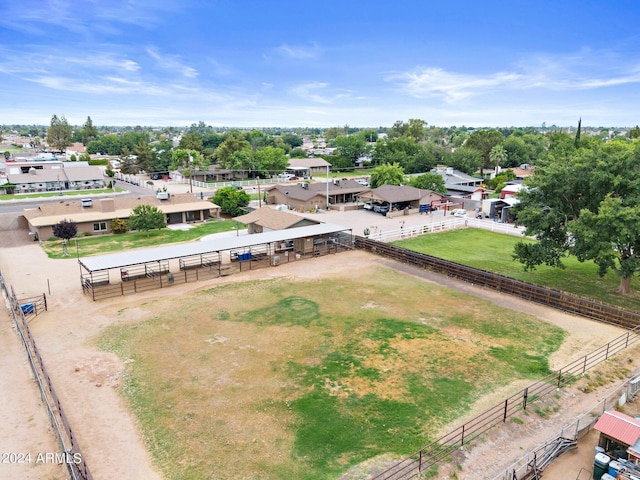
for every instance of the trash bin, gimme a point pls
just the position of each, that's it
(275, 260)
(614, 468)
(606, 476)
(600, 465)
(170, 278)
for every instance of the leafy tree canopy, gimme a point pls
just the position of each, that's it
(145, 218)
(585, 203)
(430, 181)
(59, 135)
(231, 200)
(484, 141)
(415, 129)
(352, 146)
(387, 174)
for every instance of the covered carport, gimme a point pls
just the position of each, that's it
(134, 271)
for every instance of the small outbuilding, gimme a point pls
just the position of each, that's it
(267, 219)
(619, 435)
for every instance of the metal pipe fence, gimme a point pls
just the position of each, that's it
(70, 450)
(434, 453)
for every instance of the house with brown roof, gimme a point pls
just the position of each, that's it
(308, 197)
(267, 219)
(399, 197)
(93, 216)
(307, 167)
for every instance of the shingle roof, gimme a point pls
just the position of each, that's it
(308, 163)
(51, 213)
(619, 426)
(398, 193)
(273, 219)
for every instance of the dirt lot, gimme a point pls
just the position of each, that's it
(87, 379)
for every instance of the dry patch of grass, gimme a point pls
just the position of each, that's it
(304, 379)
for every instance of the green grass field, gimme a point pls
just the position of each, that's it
(66, 193)
(494, 252)
(102, 244)
(305, 379)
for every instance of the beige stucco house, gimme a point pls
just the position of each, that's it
(93, 216)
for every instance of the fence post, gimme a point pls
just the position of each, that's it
(584, 367)
(524, 398)
(462, 436)
(420, 462)
(559, 377)
(506, 402)
(606, 355)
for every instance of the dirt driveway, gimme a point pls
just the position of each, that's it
(87, 379)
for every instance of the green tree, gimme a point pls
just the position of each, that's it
(387, 174)
(270, 160)
(298, 153)
(231, 200)
(430, 181)
(192, 141)
(187, 161)
(352, 146)
(88, 132)
(146, 217)
(467, 160)
(415, 129)
(292, 139)
(586, 204)
(634, 132)
(127, 163)
(235, 142)
(59, 133)
(144, 156)
(7, 154)
(484, 141)
(498, 156)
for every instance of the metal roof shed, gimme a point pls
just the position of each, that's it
(216, 245)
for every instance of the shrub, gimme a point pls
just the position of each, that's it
(119, 226)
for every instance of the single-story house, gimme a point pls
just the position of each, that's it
(51, 176)
(307, 167)
(458, 183)
(619, 435)
(93, 216)
(311, 196)
(398, 197)
(267, 219)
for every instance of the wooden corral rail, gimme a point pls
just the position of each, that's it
(564, 301)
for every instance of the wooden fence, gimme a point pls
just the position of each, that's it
(21, 311)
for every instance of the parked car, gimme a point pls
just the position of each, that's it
(237, 186)
(362, 182)
(383, 209)
(459, 212)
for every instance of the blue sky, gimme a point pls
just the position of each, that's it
(284, 63)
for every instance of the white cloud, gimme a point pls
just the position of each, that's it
(299, 52)
(430, 82)
(173, 64)
(580, 71)
(313, 91)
